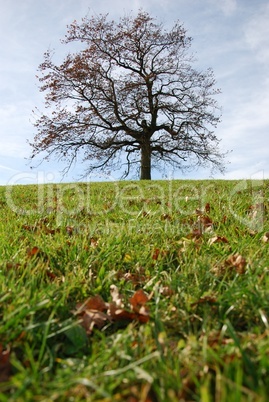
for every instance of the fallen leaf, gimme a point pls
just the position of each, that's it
(94, 242)
(217, 239)
(29, 228)
(205, 221)
(92, 313)
(215, 338)
(31, 252)
(92, 303)
(116, 296)
(50, 231)
(5, 365)
(166, 291)
(95, 312)
(138, 300)
(13, 265)
(233, 262)
(155, 254)
(69, 230)
(206, 299)
(93, 318)
(119, 314)
(255, 209)
(138, 304)
(158, 253)
(51, 275)
(265, 237)
(166, 217)
(224, 219)
(136, 278)
(238, 262)
(195, 234)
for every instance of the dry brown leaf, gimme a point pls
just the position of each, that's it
(13, 265)
(207, 208)
(265, 237)
(238, 262)
(95, 312)
(117, 298)
(166, 291)
(234, 262)
(205, 220)
(135, 277)
(94, 242)
(5, 365)
(138, 299)
(138, 304)
(217, 239)
(206, 299)
(69, 230)
(94, 318)
(31, 252)
(119, 314)
(92, 303)
(165, 217)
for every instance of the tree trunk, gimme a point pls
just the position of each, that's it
(145, 170)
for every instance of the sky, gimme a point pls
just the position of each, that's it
(230, 36)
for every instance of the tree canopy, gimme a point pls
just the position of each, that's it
(128, 97)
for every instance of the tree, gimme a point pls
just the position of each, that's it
(130, 91)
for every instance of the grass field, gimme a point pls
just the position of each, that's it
(135, 291)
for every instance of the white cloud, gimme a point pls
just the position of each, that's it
(8, 168)
(257, 33)
(228, 7)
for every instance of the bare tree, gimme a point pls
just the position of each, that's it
(130, 91)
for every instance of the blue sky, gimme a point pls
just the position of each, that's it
(231, 36)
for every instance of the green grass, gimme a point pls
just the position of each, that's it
(207, 338)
